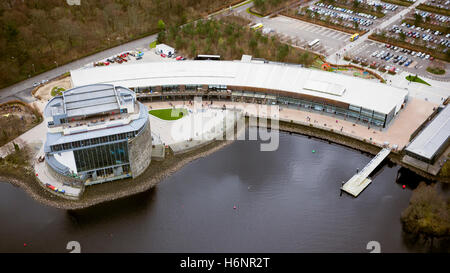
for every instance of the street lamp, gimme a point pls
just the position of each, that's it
(56, 64)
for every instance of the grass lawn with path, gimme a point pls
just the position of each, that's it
(412, 78)
(169, 114)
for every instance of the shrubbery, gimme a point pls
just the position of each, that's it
(230, 38)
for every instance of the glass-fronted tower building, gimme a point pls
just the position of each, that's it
(98, 133)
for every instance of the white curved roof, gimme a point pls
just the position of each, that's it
(356, 91)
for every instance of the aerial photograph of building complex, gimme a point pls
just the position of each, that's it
(225, 126)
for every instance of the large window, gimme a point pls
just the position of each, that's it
(93, 141)
(216, 87)
(169, 88)
(192, 87)
(101, 156)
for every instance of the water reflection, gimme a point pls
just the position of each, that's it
(286, 201)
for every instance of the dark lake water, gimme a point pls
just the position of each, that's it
(286, 201)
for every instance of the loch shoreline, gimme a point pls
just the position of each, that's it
(159, 170)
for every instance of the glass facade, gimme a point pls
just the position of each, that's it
(193, 87)
(216, 87)
(352, 111)
(92, 141)
(170, 88)
(102, 156)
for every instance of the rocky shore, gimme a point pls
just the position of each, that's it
(157, 171)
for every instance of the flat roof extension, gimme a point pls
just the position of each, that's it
(428, 142)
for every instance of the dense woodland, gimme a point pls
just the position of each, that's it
(230, 38)
(36, 35)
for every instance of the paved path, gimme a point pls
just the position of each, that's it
(22, 89)
(26, 85)
(45, 177)
(364, 37)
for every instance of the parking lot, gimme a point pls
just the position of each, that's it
(426, 34)
(301, 33)
(133, 56)
(391, 56)
(348, 16)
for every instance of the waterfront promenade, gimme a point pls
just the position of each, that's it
(398, 133)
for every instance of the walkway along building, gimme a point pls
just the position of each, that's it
(255, 82)
(98, 133)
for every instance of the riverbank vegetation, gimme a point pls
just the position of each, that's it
(428, 215)
(231, 38)
(16, 118)
(38, 35)
(17, 163)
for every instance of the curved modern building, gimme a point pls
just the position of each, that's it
(257, 82)
(98, 133)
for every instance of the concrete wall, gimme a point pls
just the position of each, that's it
(65, 180)
(140, 151)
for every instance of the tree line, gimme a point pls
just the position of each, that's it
(37, 35)
(231, 38)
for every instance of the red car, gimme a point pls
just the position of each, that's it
(163, 55)
(178, 58)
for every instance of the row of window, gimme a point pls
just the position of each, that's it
(109, 171)
(176, 88)
(92, 141)
(353, 111)
(101, 156)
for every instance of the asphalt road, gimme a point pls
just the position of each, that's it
(22, 89)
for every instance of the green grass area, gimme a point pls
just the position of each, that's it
(152, 44)
(169, 114)
(412, 78)
(436, 70)
(57, 91)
